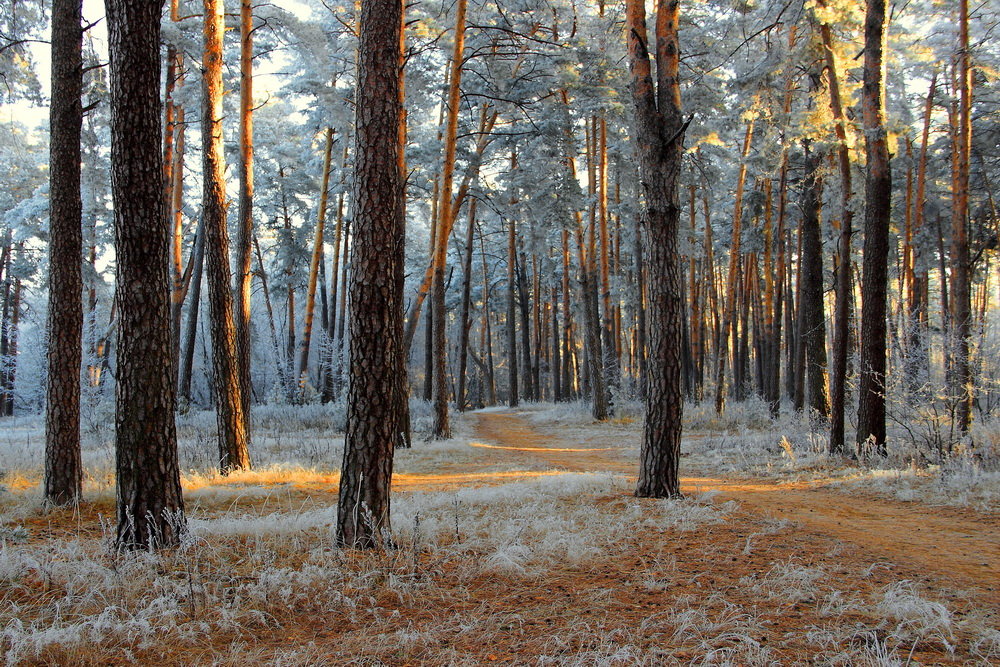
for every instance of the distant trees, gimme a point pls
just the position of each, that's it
(149, 503)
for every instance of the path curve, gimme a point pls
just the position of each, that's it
(954, 544)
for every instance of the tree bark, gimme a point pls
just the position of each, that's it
(961, 293)
(244, 225)
(63, 467)
(729, 314)
(917, 306)
(659, 135)
(442, 426)
(878, 193)
(314, 264)
(191, 330)
(150, 507)
(374, 418)
(812, 321)
(233, 436)
(464, 322)
(842, 265)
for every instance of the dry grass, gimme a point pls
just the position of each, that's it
(494, 559)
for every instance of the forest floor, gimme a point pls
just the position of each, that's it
(519, 542)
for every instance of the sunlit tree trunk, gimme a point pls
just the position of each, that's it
(244, 225)
(917, 306)
(314, 264)
(234, 438)
(442, 426)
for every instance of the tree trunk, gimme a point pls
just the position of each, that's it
(191, 330)
(234, 438)
(63, 468)
(513, 395)
(523, 306)
(842, 264)
(314, 264)
(244, 225)
(729, 314)
(611, 364)
(330, 386)
(149, 502)
(180, 277)
(961, 266)
(442, 427)
(813, 322)
(374, 418)
(917, 367)
(878, 193)
(464, 322)
(660, 135)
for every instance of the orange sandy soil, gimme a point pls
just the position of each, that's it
(461, 615)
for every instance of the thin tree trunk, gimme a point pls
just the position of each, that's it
(191, 330)
(513, 390)
(244, 225)
(317, 258)
(729, 314)
(464, 322)
(442, 426)
(262, 276)
(234, 438)
(917, 308)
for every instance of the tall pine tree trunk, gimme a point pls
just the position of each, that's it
(314, 264)
(63, 467)
(961, 292)
(374, 417)
(842, 264)
(244, 225)
(233, 436)
(149, 502)
(660, 135)
(442, 426)
(878, 193)
(812, 321)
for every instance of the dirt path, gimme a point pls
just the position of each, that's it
(960, 546)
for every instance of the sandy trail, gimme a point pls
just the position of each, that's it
(956, 545)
